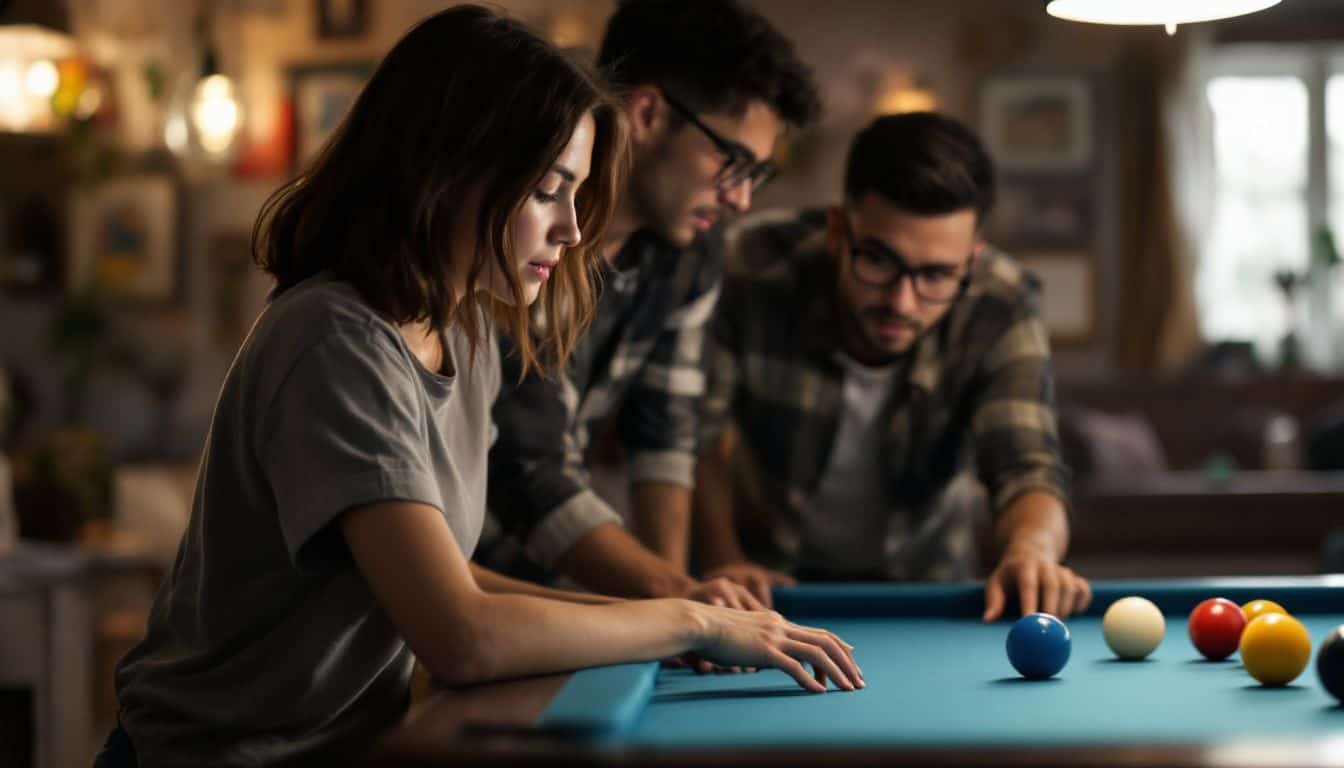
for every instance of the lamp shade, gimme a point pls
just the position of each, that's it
(1165, 12)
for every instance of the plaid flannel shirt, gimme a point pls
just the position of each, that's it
(638, 370)
(979, 383)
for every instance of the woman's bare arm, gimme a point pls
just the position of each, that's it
(465, 634)
(498, 583)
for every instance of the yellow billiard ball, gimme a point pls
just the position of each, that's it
(1255, 608)
(1275, 648)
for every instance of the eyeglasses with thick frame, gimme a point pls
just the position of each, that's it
(739, 163)
(878, 265)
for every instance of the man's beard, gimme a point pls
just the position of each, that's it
(879, 316)
(858, 329)
(654, 210)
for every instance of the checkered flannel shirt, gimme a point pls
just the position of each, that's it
(977, 388)
(638, 371)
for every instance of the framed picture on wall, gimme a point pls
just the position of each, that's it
(321, 95)
(30, 245)
(1037, 123)
(123, 239)
(342, 18)
(1068, 292)
(1042, 213)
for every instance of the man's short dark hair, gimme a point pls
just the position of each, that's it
(715, 55)
(921, 162)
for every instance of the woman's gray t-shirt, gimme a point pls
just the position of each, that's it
(265, 643)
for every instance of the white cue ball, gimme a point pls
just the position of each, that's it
(1133, 627)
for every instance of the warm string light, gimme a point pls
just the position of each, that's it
(215, 114)
(42, 78)
(30, 78)
(901, 100)
(176, 134)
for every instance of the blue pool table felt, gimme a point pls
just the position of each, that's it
(940, 680)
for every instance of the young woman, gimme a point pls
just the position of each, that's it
(342, 486)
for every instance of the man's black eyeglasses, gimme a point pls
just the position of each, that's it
(739, 163)
(879, 266)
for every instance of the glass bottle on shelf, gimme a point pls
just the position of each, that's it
(1290, 344)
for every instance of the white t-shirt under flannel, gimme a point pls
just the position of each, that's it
(844, 524)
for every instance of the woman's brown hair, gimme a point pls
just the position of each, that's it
(467, 104)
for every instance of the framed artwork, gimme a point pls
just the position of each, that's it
(1068, 292)
(342, 18)
(123, 239)
(1042, 213)
(30, 246)
(1038, 123)
(321, 95)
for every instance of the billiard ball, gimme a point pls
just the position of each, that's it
(1133, 627)
(1215, 628)
(1038, 646)
(1275, 648)
(1253, 609)
(1330, 663)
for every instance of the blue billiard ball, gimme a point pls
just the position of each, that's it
(1038, 646)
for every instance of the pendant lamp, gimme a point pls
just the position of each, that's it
(1168, 13)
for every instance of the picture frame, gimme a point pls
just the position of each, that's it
(1068, 293)
(1038, 123)
(31, 251)
(320, 97)
(341, 19)
(1043, 213)
(124, 239)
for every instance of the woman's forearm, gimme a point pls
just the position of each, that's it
(497, 583)
(463, 633)
(521, 635)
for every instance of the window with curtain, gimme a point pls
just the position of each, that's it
(1334, 129)
(1277, 116)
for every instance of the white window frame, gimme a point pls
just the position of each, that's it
(1314, 64)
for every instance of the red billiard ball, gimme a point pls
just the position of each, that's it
(1215, 628)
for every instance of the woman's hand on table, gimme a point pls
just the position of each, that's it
(724, 593)
(733, 638)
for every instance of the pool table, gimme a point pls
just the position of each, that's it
(940, 691)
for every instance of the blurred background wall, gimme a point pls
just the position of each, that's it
(870, 56)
